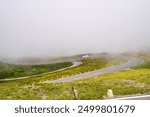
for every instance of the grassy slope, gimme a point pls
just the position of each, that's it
(86, 66)
(12, 71)
(33, 89)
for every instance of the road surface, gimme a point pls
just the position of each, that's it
(131, 62)
(140, 97)
(38, 75)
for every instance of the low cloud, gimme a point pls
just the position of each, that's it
(65, 27)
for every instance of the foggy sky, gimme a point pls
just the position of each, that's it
(63, 27)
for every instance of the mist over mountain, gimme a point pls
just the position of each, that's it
(35, 28)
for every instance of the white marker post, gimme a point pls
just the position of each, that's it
(110, 93)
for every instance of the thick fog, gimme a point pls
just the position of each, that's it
(65, 27)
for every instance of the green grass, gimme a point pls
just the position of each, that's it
(13, 71)
(127, 82)
(146, 65)
(32, 88)
(86, 66)
(122, 83)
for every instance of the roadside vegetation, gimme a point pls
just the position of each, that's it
(13, 71)
(127, 82)
(33, 88)
(122, 83)
(86, 66)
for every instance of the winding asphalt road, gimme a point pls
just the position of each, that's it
(33, 76)
(131, 62)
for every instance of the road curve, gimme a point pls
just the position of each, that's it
(38, 75)
(131, 62)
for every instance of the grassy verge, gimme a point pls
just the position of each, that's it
(86, 66)
(122, 83)
(33, 89)
(13, 71)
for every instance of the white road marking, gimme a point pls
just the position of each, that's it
(133, 97)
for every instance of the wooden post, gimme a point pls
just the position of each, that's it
(75, 93)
